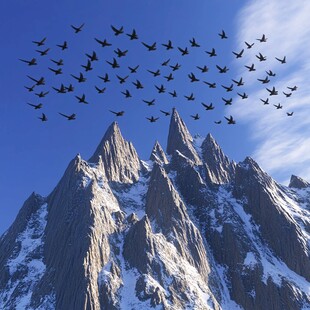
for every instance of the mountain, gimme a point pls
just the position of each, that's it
(186, 229)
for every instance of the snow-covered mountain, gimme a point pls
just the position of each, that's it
(187, 229)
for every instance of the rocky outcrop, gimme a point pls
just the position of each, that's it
(297, 182)
(158, 155)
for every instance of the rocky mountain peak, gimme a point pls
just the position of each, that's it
(119, 157)
(297, 182)
(180, 139)
(158, 155)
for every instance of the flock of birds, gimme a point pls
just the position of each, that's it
(58, 64)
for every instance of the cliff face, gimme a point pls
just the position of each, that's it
(193, 230)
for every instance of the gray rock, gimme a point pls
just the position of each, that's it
(158, 155)
(297, 182)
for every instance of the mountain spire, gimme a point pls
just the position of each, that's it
(158, 154)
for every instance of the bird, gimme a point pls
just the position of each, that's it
(77, 29)
(42, 94)
(126, 93)
(227, 101)
(287, 95)
(218, 122)
(289, 113)
(194, 43)
(71, 117)
(270, 73)
(169, 77)
(228, 88)
(208, 106)
(113, 64)
(282, 61)
(262, 39)
(133, 35)
(40, 81)
(32, 62)
(212, 53)
(265, 101)
(120, 53)
(243, 96)
(70, 88)
(103, 43)
(43, 118)
(63, 46)
(161, 89)
(100, 90)
(120, 113)
(81, 99)
(211, 85)
(93, 56)
(58, 63)
(294, 88)
(190, 97)
(183, 51)
(150, 47)
(265, 80)
(260, 57)
(165, 112)
(88, 66)
(175, 67)
(119, 31)
(36, 106)
(154, 73)
(43, 53)
(56, 71)
(272, 92)
(165, 63)
(61, 89)
(122, 80)
(251, 68)
(238, 83)
(203, 69)
(278, 106)
(168, 46)
(40, 43)
(80, 78)
(223, 35)
(238, 55)
(138, 84)
(105, 78)
(173, 94)
(195, 117)
(30, 89)
(192, 77)
(230, 120)
(149, 102)
(249, 45)
(152, 119)
(222, 70)
(133, 70)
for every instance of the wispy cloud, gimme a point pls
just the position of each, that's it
(282, 142)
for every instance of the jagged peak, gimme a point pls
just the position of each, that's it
(298, 182)
(113, 131)
(179, 138)
(158, 154)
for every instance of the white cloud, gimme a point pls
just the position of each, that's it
(282, 142)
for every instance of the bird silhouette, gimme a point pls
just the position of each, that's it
(120, 53)
(192, 77)
(165, 63)
(208, 107)
(282, 61)
(265, 80)
(63, 46)
(43, 118)
(120, 113)
(211, 85)
(278, 106)
(169, 77)
(100, 90)
(294, 88)
(168, 46)
(40, 43)
(238, 83)
(289, 113)
(77, 29)
(272, 92)
(32, 62)
(218, 122)
(287, 95)
(40, 81)
(194, 43)
(249, 45)
(223, 35)
(138, 84)
(175, 67)
(262, 39)
(173, 94)
(58, 63)
(161, 89)
(222, 69)
(81, 78)
(70, 88)
(36, 106)
(230, 120)
(190, 97)
(228, 88)
(251, 68)
(43, 53)
(126, 93)
(133, 35)
(56, 71)
(203, 69)
(103, 43)
(30, 89)
(165, 112)
(93, 56)
(270, 73)
(105, 78)
(133, 70)
(122, 80)
(88, 66)
(149, 102)
(195, 117)
(119, 31)
(113, 64)
(154, 73)
(243, 96)
(212, 53)
(152, 119)
(42, 94)
(71, 117)
(150, 47)
(183, 51)
(81, 99)
(227, 101)
(238, 55)
(265, 101)
(260, 57)
(61, 90)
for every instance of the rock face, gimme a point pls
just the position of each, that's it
(193, 230)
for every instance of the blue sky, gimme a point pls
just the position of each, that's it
(34, 155)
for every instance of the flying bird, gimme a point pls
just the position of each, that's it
(222, 70)
(93, 56)
(278, 106)
(251, 68)
(230, 120)
(243, 96)
(238, 83)
(138, 84)
(270, 73)
(103, 43)
(154, 73)
(81, 99)
(58, 63)
(265, 101)
(100, 90)
(120, 113)
(195, 117)
(227, 101)
(289, 113)
(32, 62)
(194, 43)
(126, 93)
(43, 53)
(260, 57)
(165, 112)
(150, 47)
(287, 95)
(294, 88)
(61, 90)
(265, 80)
(56, 71)
(122, 80)
(282, 61)
(36, 106)
(173, 94)
(80, 78)
(161, 89)
(212, 53)
(77, 29)
(133, 70)
(169, 77)
(88, 66)
(228, 88)
(262, 39)
(30, 89)
(133, 35)
(203, 69)
(149, 102)
(190, 97)
(218, 122)
(120, 53)
(192, 77)
(238, 55)
(43, 118)
(211, 85)
(70, 88)
(71, 117)
(168, 46)
(183, 51)
(223, 35)
(40, 81)
(208, 107)
(175, 67)
(63, 46)
(119, 31)
(249, 45)
(42, 94)
(105, 78)
(165, 63)
(152, 119)
(39, 43)
(113, 64)
(272, 92)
